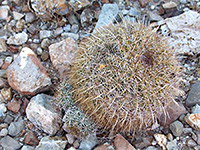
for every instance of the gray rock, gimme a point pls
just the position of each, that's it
(45, 34)
(131, 19)
(3, 46)
(26, 73)
(3, 110)
(43, 114)
(8, 119)
(196, 109)
(194, 95)
(75, 28)
(9, 143)
(3, 73)
(191, 143)
(29, 17)
(86, 17)
(72, 35)
(15, 128)
(18, 39)
(67, 28)
(58, 31)
(125, 12)
(172, 145)
(70, 138)
(73, 19)
(26, 147)
(51, 143)
(176, 128)
(108, 14)
(133, 12)
(183, 1)
(154, 16)
(45, 43)
(3, 132)
(88, 143)
(151, 148)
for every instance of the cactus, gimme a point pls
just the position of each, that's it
(123, 76)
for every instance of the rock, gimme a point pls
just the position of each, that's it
(15, 128)
(3, 73)
(7, 94)
(67, 28)
(7, 62)
(72, 19)
(72, 35)
(78, 4)
(121, 143)
(26, 147)
(196, 109)
(14, 105)
(62, 54)
(198, 138)
(24, 106)
(52, 143)
(3, 83)
(143, 142)
(3, 125)
(169, 136)
(45, 34)
(18, 39)
(43, 114)
(193, 120)
(154, 16)
(161, 140)
(143, 3)
(25, 80)
(76, 144)
(3, 132)
(86, 17)
(169, 5)
(133, 12)
(44, 55)
(17, 16)
(172, 145)
(70, 138)
(9, 143)
(29, 17)
(151, 148)
(58, 31)
(176, 128)
(89, 142)
(45, 43)
(3, 12)
(3, 46)
(191, 143)
(105, 146)
(20, 25)
(75, 28)
(174, 110)
(31, 139)
(182, 29)
(2, 111)
(194, 95)
(71, 148)
(8, 119)
(108, 14)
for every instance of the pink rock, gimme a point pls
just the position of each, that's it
(26, 73)
(173, 110)
(62, 54)
(14, 105)
(3, 13)
(122, 144)
(105, 146)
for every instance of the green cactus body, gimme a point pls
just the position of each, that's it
(123, 76)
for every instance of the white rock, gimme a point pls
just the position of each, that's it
(196, 109)
(161, 140)
(51, 143)
(3, 109)
(17, 16)
(26, 73)
(4, 12)
(185, 31)
(26, 147)
(18, 39)
(45, 34)
(3, 46)
(30, 17)
(43, 114)
(3, 132)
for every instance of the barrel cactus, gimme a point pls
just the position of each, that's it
(123, 76)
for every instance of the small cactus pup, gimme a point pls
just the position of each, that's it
(123, 76)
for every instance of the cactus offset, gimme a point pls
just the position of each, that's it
(123, 76)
